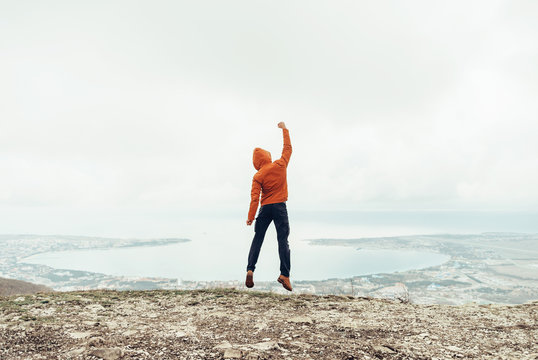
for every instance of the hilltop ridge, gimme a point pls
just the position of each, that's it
(13, 287)
(224, 323)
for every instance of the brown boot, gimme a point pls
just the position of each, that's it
(249, 282)
(285, 281)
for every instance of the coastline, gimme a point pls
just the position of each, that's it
(478, 271)
(18, 247)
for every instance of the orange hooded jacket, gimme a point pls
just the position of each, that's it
(270, 178)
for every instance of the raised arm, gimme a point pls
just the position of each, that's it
(286, 151)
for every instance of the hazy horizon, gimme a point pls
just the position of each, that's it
(304, 224)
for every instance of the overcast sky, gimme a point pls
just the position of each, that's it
(158, 104)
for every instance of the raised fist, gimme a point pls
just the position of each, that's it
(281, 125)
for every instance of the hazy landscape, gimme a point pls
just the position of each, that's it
(482, 268)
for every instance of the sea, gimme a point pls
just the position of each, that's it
(219, 245)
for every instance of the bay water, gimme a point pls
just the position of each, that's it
(219, 247)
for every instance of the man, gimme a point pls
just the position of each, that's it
(271, 181)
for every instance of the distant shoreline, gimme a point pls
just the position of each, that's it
(483, 268)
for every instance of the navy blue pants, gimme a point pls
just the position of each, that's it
(279, 214)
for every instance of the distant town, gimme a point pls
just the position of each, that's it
(483, 268)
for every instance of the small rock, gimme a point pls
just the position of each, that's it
(453, 348)
(80, 335)
(107, 354)
(265, 346)
(76, 352)
(260, 326)
(300, 320)
(301, 344)
(223, 346)
(383, 349)
(94, 308)
(96, 341)
(253, 356)
(232, 354)
(112, 325)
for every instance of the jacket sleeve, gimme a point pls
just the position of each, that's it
(286, 151)
(254, 198)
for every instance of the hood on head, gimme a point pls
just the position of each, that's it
(260, 158)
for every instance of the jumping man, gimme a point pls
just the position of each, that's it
(271, 181)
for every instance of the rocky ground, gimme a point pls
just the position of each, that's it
(217, 324)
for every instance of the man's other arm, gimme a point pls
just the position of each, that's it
(254, 200)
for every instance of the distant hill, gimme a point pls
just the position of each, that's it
(17, 287)
(227, 324)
